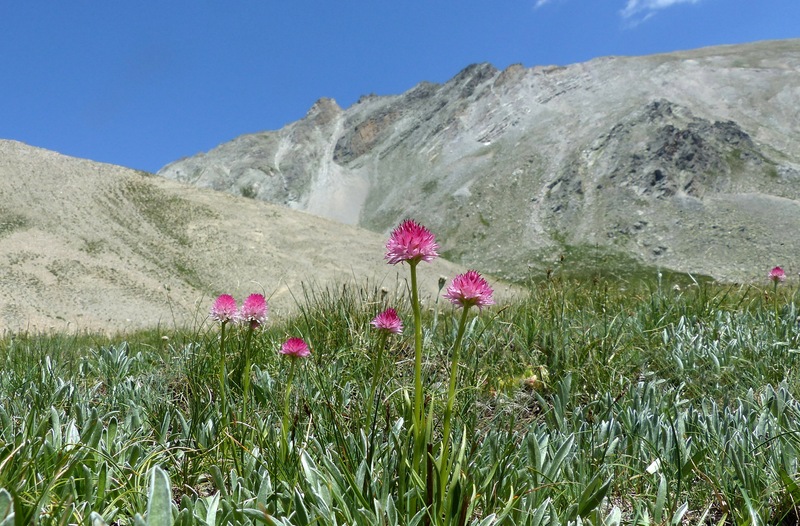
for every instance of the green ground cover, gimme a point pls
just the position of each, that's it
(587, 402)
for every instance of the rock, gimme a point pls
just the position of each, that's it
(562, 156)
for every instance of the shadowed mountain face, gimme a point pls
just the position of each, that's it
(688, 161)
(85, 245)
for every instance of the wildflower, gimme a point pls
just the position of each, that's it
(295, 347)
(224, 309)
(254, 311)
(411, 242)
(777, 274)
(388, 321)
(469, 289)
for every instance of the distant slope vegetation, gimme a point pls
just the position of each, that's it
(91, 246)
(687, 161)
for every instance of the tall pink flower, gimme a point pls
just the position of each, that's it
(224, 309)
(254, 311)
(777, 274)
(388, 321)
(469, 289)
(411, 242)
(295, 347)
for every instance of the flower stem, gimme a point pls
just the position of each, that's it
(285, 423)
(246, 373)
(448, 412)
(775, 301)
(377, 368)
(222, 373)
(419, 410)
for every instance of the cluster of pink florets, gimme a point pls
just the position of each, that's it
(253, 312)
(777, 274)
(411, 243)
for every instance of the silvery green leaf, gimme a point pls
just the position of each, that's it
(6, 505)
(213, 506)
(96, 520)
(159, 499)
(614, 518)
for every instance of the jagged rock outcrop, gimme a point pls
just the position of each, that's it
(686, 160)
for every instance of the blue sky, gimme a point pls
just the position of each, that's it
(143, 83)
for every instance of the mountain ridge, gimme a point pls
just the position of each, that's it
(505, 165)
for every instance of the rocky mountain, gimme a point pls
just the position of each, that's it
(687, 161)
(91, 246)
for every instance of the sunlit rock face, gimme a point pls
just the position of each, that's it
(688, 161)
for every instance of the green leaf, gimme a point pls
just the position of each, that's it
(300, 508)
(219, 480)
(488, 520)
(184, 518)
(537, 517)
(6, 504)
(258, 515)
(754, 518)
(677, 517)
(159, 499)
(96, 520)
(555, 464)
(213, 506)
(661, 498)
(391, 511)
(592, 495)
(614, 518)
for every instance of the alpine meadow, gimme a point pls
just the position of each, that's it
(536, 297)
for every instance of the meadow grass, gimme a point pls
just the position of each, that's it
(584, 402)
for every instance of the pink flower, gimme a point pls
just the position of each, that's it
(224, 309)
(388, 321)
(777, 274)
(469, 289)
(254, 311)
(411, 242)
(295, 347)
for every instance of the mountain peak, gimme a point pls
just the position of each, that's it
(640, 156)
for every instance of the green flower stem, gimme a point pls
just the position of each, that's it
(376, 370)
(448, 412)
(246, 373)
(418, 398)
(775, 301)
(222, 373)
(371, 404)
(285, 423)
(419, 411)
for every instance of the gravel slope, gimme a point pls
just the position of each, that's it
(91, 246)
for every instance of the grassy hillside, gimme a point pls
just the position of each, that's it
(594, 402)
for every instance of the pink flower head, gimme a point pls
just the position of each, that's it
(777, 274)
(224, 309)
(469, 289)
(295, 347)
(388, 321)
(254, 311)
(411, 242)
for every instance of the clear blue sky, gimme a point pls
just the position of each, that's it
(142, 83)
